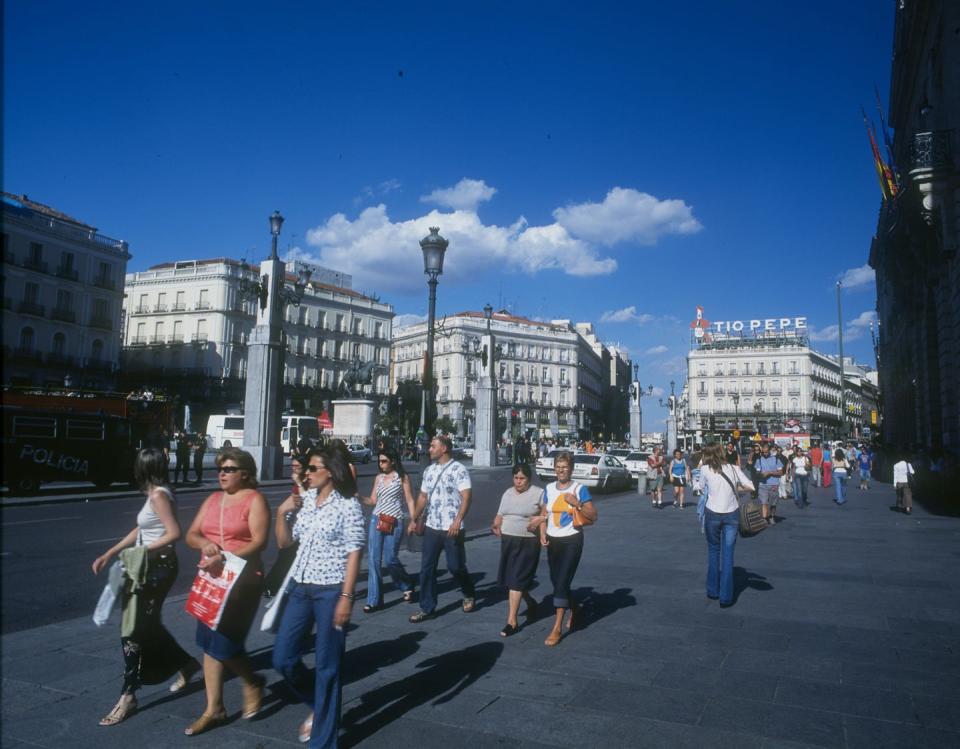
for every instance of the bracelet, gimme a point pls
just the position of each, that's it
(348, 596)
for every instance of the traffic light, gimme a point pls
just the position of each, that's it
(713, 423)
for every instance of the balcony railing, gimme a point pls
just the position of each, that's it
(176, 339)
(68, 273)
(141, 310)
(105, 282)
(931, 150)
(202, 305)
(179, 307)
(157, 340)
(64, 315)
(160, 308)
(138, 340)
(199, 340)
(104, 323)
(38, 265)
(31, 308)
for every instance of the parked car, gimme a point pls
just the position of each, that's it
(601, 471)
(360, 453)
(620, 453)
(636, 463)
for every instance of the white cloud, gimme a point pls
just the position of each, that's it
(627, 214)
(658, 392)
(372, 192)
(656, 350)
(854, 329)
(383, 255)
(857, 277)
(627, 314)
(675, 366)
(466, 195)
(406, 320)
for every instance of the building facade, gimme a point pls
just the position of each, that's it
(62, 298)
(187, 325)
(772, 381)
(553, 378)
(914, 251)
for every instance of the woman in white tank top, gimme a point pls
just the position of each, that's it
(150, 653)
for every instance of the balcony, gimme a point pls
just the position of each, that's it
(793, 391)
(68, 273)
(24, 353)
(179, 307)
(104, 323)
(157, 340)
(176, 339)
(931, 151)
(32, 308)
(564, 384)
(202, 306)
(141, 310)
(33, 264)
(547, 381)
(63, 360)
(138, 340)
(105, 282)
(199, 340)
(160, 308)
(64, 315)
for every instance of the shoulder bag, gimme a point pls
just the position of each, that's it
(580, 519)
(420, 525)
(751, 516)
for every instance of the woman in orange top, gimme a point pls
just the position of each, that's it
(235, 519)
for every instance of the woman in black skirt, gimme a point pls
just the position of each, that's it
(519, 548)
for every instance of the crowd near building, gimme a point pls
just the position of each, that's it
(62, 296)
(914, 251)
(187, 324)
(764, 377)
(555, 379)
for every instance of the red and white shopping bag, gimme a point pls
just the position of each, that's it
(209, 593)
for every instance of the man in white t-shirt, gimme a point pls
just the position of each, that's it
(902, 471)
(444, 499)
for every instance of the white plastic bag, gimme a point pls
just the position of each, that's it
(111, 591)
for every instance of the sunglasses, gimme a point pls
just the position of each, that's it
(228, 469)
(384, 460)
(312, 469)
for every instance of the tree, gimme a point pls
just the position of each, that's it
(444, 425)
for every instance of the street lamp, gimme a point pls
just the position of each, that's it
(736, 409)
(757, 410)
(434, 247)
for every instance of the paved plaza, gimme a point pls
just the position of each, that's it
(845, 633)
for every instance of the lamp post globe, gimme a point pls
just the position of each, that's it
(276, 222)
(434, 248)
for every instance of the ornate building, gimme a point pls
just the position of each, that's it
(914, 251)
(62, 295)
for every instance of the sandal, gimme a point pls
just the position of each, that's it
(508, 630)
(205, 722)
(368, 609)
(553, 639)
(185, 675)
(420, 616)
(408, 595)
(119, 713)
(253, 697)
(469, 604)
(306, 728)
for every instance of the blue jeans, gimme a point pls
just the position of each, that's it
(840, 486)
(306, 605)
(382, 548)
(433, 542)
(721, 532)
(800, 489)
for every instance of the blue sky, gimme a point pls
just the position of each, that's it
(613, 162)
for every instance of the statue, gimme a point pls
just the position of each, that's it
(359, 375)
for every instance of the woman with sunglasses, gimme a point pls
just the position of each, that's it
(235, 519)
(391, 486)
(329, 527)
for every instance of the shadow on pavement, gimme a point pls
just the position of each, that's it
(437, 680)
(743, 579)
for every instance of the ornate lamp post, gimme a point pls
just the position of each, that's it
(736, 409)
(265, 353)
(434, 247)
(671, 406)
(635, 411)
(485, 447)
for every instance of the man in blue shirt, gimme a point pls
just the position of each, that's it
(768, 469)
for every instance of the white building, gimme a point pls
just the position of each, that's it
(62, 294)
(552, 377)
(767, 380)
(188, 322)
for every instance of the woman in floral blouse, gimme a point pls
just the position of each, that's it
(329, 527)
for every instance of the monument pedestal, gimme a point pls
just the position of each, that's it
(485, 449)
(353, 419)
(636, 425)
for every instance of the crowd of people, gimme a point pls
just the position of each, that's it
(321, 532)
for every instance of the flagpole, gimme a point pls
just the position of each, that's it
(843, 402)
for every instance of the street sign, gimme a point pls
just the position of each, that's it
(736, 434)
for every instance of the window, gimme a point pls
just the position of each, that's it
(64, 301)
(794, 404)
(201, 330)
(546, 374)
(178, 330)
(733, 369)
(357, 326)
(702, 370)
(104, 272)
(718, 370)
(746, 368)
(302, 316)
(26, 339)
(204, 302)
(776, 367)
(776, 405)
(503, 369)
(378, 329)
(516, 371)
(563, 376)
(340, 324)
(36, 253)
(31, 293)
(66, 261)
(85, 429)
(793, 368)
(35, 426)
(760, 369)
(181, 303)
(158, 333)
(516, 395)
(96, 350)
(162, 302)
(141, 333)
(321, 318)
(563, 398)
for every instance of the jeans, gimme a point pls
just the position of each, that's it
(433, 542)
(800, 489)
(721, 532)
(305, 605)
(817, 478)
(382, 548)
(840, 484)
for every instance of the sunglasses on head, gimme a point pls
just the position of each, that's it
(228, 469)
(312, 469)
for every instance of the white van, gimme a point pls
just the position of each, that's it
(226, 430)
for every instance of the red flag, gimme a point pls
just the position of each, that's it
(887, 184)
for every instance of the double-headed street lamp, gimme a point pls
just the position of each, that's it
(434, 247)
(736, 409)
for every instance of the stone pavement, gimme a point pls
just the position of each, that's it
(845, 633)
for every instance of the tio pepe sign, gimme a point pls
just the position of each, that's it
(703, 328)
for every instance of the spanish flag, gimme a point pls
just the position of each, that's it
(888, 185)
